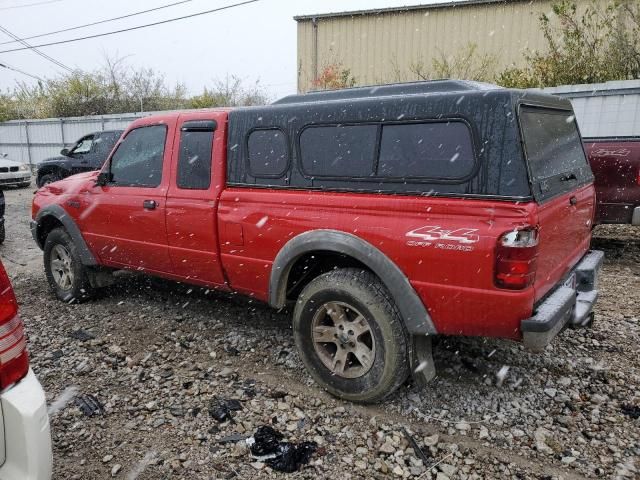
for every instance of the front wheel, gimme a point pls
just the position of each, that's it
(66, 274)
(350, 335)
(47, 179)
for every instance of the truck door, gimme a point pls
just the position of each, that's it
(126, 218)
(198, 177)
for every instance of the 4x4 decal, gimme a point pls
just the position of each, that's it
(443, 238)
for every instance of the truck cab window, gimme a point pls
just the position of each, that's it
(138, 160)
(83, 146)
(194, 163)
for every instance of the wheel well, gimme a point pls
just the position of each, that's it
(312, 264)
(45, 226)
(53, 169)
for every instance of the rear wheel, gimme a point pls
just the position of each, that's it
(66, 274)
(350, 335)
(2, 232)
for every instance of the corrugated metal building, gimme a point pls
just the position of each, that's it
(380, 46)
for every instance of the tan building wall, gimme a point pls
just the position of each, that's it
(381, 46)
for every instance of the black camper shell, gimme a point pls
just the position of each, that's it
(443, 138)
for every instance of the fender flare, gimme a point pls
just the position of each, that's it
(59, 213)
(416, 318)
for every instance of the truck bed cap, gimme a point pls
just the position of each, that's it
(408, 88)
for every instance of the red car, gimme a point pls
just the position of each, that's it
(616, 166)
(384, 216)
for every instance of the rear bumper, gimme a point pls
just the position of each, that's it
(27, 432)
(567, 305)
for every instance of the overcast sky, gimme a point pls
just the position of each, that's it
(254, 41)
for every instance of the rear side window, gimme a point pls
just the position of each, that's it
(429, 150)
(194, 162)
(552, 142)
(339, 151)
(268, 153)
(105, 142)
(139, 157)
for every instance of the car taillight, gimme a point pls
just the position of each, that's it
(14, 362)
(638, 177)
(516, 259)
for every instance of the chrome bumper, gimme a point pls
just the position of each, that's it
(572, 306)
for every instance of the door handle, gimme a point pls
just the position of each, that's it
(573, 201)
(149, 204)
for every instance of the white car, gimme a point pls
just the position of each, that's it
(25, 435)
(13, 173)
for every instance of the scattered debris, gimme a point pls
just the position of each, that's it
(63, 399)
(89, 405)
(82, 335)
(266, 447)
(632, 411)
(234, 437)
(416, 448)
(220, 409)
(501, 375)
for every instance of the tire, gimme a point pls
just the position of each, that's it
(344, 297)
(70, 281)
(2, 233)
(48, 178)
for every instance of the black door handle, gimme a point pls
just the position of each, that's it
(573, 201)
(149, 204)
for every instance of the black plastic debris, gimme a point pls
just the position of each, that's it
(82, 335)
(632, 411)
(416, 448)
(221, 409)
(233, 351)
(89, 405)
(282, 456)
(234, 437)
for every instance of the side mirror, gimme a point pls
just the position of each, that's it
(64, 152)
(103, 179)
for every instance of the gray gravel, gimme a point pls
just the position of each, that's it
(158, 356)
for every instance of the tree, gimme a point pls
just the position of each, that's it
(599, 44)
(334, 76)
(117, 87)
(466, 65)
(229, 93)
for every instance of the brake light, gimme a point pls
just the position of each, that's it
(638, 177)
(14, 362)
(516, 259)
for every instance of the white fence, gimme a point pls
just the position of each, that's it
(609, 109)
(31, 141)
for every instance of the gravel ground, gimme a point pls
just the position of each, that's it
(160, 357)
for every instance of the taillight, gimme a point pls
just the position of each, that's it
(516, 258)
(14, 362)
(638, 177)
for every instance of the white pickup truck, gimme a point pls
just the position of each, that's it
(25, 436)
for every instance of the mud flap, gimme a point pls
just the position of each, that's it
(423, 369)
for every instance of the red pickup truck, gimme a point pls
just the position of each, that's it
(615, 162)
(383, 216)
